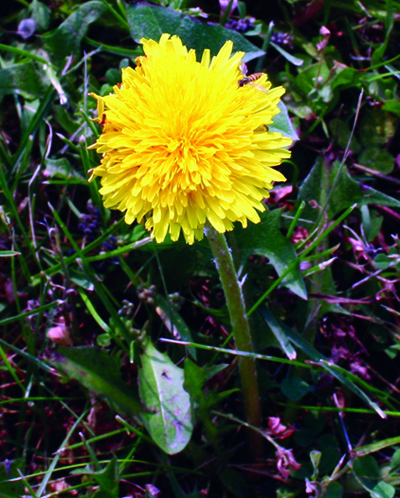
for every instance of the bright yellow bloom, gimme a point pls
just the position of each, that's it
(183, 143)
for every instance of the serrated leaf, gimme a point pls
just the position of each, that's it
(151, 21)
(99, 372)
(107, 478)
(66, 39)
(202, 402)
(169, 416)
(318, 357)
(195, 378)
(346, 193)
(265, 239)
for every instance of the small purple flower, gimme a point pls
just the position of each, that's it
(224, 4)
(241, 25)
(26, 28)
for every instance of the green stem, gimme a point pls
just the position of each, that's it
(241, 332)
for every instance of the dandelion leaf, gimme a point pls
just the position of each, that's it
(151, 21)
(265, 239)
(346, 192)
(66, 39)
(169, 416)
(99, 372)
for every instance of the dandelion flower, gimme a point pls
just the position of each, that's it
(184, 144)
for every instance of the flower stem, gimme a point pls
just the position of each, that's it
(241, 332)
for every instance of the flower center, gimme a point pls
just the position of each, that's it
(183, 172)
(180, 146)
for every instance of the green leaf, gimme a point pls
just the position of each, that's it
(265, 239)
(101, 493)
(61, 169)
(345, 77)
(41, 14)
(279, 333)
(23, 79)
(108, 478)
(116, 50)
(392, 106)
(377, 159)
(389, 22)
(174, 322)
(289, 57)
(395, 463)
(283, 124)
(9, 470)
(382, 261)
(341, 132)
(294, 388)
(103, 340)
(367, 473)
(337, 372)
(99, 372)
(66, 39)
(315, 457)
(346, 193)
(377, 127)
(65, 118)
(195, 377)
(151, 21)
(169, 417)
(335, 490)
(313, 81)
(372, 222)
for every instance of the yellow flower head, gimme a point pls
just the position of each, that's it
(183, 143)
